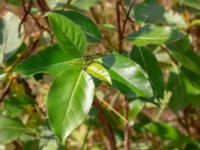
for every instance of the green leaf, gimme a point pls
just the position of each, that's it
(84, 5)
(151, 34)
(178, 99)
(192, 3)
(189, 61)
(10, 40)
(69, 100)
(69, 35)
(166, 131)
(85, 23)
(10, 129)
(127, 76)
(134, 108)
(149, 63)
(148, 11)
(51, 60)
(98, 71)
(14, 2)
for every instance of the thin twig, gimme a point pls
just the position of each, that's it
(7, 88)
(106, 126)
(127, 17)
(113, 110)
(120, 37)
(26, 11)
(126, 128)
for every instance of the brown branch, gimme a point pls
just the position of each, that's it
(127, 17)
(26, 11)
(119, 28)
(42, 5)
(106, 126)
(126, 128)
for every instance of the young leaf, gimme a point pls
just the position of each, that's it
(98, 71)
(127, 76)
(10, 129)
(91, 30)
(148, 62)
(51, 60)
(69, 35)
(69, 100)
(151, 34)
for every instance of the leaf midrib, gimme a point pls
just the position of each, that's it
(70, 101)
(70, 62)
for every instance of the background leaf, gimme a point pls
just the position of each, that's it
(191, 3)
(152, 34)
(10, 129)
(10, 40)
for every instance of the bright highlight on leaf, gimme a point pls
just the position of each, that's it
(127, 76)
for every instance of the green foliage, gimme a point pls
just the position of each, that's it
(86, 74)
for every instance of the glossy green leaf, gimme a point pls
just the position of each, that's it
(10, 129)
(10, 40)
(98, 71)
(69, 100)
(51, 60)
(85, 23)
(148, 62)
(69, 35)
(127, 76)
(191, 3)
(151, 34)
